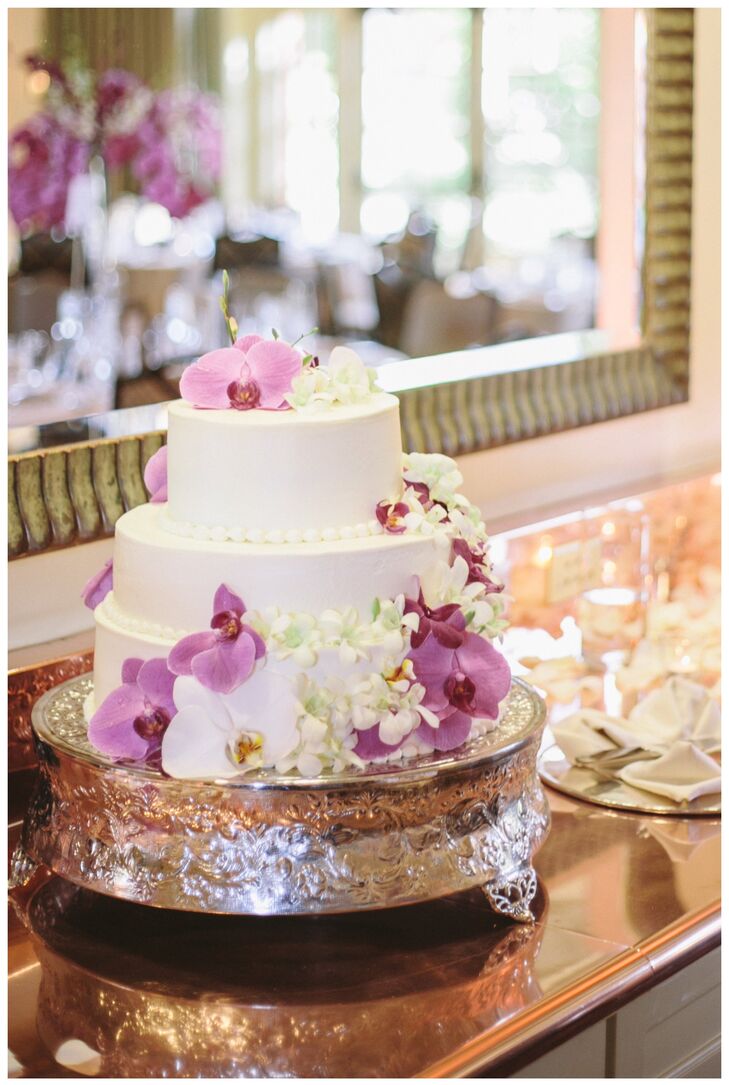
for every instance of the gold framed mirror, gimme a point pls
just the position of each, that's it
(74, 488)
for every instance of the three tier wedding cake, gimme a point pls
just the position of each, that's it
(298, 595)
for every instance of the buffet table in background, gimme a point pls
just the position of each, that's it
(625, 945)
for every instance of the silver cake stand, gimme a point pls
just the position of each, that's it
(284, 845)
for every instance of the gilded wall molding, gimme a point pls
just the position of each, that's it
(59, 497)
(668, 188)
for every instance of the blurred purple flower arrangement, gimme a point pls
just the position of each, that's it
(170, 140)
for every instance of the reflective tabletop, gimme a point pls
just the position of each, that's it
(104, 988)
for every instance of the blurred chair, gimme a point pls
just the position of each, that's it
(435, 322)
(33, 301)
(148, 387)
(263, 298)
(413, 251)
(346, 300)
(392, 290)
(253, 251)
(145, 288)
(40, 252)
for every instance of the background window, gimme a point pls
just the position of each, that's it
(298, 117)
(541, 105)
(415, 118)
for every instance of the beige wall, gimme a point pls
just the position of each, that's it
(617, 307)
(26, 28)
(628, 452)
(25, 35)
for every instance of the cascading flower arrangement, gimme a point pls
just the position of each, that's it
(170, 140)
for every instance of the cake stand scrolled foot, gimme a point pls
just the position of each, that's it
(512, 896)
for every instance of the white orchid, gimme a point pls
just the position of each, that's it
(219, 736)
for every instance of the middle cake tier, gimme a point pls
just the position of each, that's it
(162, 581)
(235, 472)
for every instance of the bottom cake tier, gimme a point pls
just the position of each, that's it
(206, 662)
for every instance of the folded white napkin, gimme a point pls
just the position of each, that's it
(680, 709)
(679, 721)
(577, 734)
(682, 774)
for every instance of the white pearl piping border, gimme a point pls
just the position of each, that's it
(278, 536)
(109, 608)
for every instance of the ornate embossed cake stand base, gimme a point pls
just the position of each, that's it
(279, 845)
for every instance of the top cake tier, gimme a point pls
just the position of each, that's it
(283, 471)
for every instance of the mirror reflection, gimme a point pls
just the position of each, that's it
(411, 181)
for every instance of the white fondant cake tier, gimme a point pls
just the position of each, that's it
(163, 579)
(283, 470)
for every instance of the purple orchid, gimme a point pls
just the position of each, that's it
(155, 476)
(130, 722)
(223, 658)
(392, 516)
(446, 623)
(461, 684)
(370, 745)
(254, 372)
(98, 587)
(473, 560)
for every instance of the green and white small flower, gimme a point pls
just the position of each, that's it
(439, 473)
(296, 635)
(445, 583)
(391, 626)
(342, 629)
(418, 519)
(390, 700)
(346, 379)
(351, 380)
(311, 390)
(467, 523)
(486, 616)
(324, 744)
